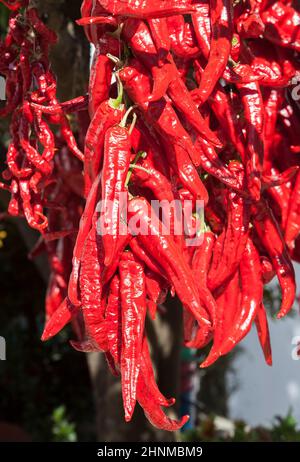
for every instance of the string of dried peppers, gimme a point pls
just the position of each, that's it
(188, 100)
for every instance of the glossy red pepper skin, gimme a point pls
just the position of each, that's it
(177, 28)
(145, 9)
(138, 36)
(150, 398)
(113, 319)
(230, 245)
(200, 265)
(91, 293)
(202, 28)
(271, 107)
(280, 23)
(228, 303)
(101, 71)
(270, 235)
(60, 318)
(104, 118)
(292, 228)
(251, 298)
(134, 308)
(140, 40)
(162, 249)
(159, 32)
(117, 154)
(163, 117)
(84, 229)
(263, 333)
(221, 35)
(254, 117)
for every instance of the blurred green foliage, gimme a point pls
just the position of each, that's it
(4, 13)
(283, 429)
(63, 430)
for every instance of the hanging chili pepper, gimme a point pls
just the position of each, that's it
(262, 328)
(117, 154)
(145, 9)
(161, 248)
(251, 298)
(134, 307)
(221, 16)
(254, 117)
(269, 233)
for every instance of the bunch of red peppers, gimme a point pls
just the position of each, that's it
(188, 101)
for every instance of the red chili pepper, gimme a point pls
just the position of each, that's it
(144, 257)
(228, 302)
(280, 196)
(148, 400)
(281, 25)
(113, 318)
(271, 106)
(163, 117)
(262, 327)
(60, 318)
(145, 9)
(200, 265)
(159, 32)
(221, 16)
(92, 306)
(101, 71)
(84, 229)
(251, 298)
(161, 247)
(138, 36)
(146, 370)
(117, 154)
(134, 307)
(105, 117)
(270, 236)
(74, 105)
(228, 119)
(254, 117)
(202, 28)
(40, 27)
(13, 5)
(179, 41)
(230, 245)
(292, 228)
(268, 272)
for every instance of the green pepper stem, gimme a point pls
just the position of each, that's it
(117, 102)
(140, 154)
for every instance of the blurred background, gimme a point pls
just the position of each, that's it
(50, 392)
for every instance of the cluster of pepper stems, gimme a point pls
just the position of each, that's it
(187, 100)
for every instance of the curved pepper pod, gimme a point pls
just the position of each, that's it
(117, 154)
(270, 235)
(230, 244)
(263, 333)
(134, 308)
(92, 305)
(84, 229)
(251, 298)
(153, 411)
(60, 318)
(145, 9)
(228, 304)
(161, 246)
(146, 370)
(221, 15)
